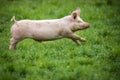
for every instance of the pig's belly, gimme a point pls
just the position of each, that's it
(45, 34)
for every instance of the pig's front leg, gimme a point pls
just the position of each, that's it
(76, 41)
(76, 38)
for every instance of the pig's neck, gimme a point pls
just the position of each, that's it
(74, 28)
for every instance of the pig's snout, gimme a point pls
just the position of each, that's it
(86, 25)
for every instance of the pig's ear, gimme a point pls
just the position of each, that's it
(76, 13)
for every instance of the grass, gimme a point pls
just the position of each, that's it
(97, 59)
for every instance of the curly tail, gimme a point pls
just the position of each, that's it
(13, 19)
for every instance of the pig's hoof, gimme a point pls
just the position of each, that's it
(83, 39)
(12, 48)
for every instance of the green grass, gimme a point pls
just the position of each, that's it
(96, 59)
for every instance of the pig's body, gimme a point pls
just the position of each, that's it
(45, 30)
(41, 30)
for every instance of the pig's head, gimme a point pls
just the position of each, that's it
(78, 23)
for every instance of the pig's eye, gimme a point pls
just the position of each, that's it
(79, 21)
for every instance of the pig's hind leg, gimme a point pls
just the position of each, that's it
(13, 43)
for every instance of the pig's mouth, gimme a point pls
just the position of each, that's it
(84, 28)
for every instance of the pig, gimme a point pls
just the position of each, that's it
(47, 30)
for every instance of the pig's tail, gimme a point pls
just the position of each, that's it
(13, 19)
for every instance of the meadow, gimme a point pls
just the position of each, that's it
(96, 59)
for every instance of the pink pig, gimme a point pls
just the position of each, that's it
(46, 30)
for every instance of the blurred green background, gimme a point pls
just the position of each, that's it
(97, 59)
